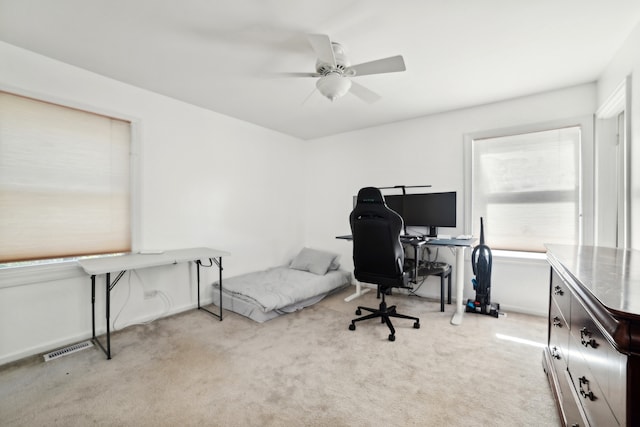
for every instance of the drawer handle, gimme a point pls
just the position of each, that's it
(555, 353)
(585, 338)
(556, 322)
(558, 290)
(586, 393)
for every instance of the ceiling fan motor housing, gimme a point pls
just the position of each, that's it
(342, 62)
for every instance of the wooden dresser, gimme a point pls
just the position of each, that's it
(592, 357)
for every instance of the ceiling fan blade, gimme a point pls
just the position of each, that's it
(386, 65)
(363, 93)
(298, 74)
(321, 44)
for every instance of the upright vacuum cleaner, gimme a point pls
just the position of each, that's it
(481, 262)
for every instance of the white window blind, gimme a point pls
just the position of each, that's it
(527, 189)
(64, 181)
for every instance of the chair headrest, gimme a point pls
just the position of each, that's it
(370, 195)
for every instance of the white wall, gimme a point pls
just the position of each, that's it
(205, 180)
(429, 150)
(210, 180)
(624, 63)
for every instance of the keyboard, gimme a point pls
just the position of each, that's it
(409, 237)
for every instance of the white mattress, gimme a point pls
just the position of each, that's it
(263, 295)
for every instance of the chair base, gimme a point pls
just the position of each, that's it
(385, 314)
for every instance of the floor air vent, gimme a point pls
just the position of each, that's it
(67, 350)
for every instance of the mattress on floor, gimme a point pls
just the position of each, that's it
(263, 295)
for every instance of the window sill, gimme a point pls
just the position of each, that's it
(516, 256)
(31, 274)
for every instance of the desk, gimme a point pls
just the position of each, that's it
(122, 263)
(459, 245)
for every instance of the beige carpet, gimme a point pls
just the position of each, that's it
(302, 369)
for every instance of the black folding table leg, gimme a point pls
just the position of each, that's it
(220, 281)
(198, 281)
(107, 350)
(108, 287)
(218, 262)
(108, 309)
(93, 306)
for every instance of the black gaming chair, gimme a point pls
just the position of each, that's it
(378, 256)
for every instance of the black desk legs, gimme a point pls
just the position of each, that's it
(442, 291)
(446, 273)
(218, 262)
(416, 256)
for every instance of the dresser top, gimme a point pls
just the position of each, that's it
(611, 275)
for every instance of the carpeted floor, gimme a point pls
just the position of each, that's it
(302, 369)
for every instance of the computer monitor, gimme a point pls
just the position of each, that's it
(430, 210)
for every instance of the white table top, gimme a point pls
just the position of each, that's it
(133, 261)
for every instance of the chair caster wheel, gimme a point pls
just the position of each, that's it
(358, 312)
(392, 337)
(352, 327)
(416, 325)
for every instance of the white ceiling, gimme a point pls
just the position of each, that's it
(225, 55)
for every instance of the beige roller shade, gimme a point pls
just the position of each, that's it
(64, 181)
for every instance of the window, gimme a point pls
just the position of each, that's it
(64, 181)
(527, 187)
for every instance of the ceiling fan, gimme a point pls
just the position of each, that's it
(335, 71)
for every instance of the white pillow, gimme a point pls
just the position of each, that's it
(314, 261)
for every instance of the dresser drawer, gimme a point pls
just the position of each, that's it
(566, 398)
(617, 394)
(591, 343)
(561, 294)
(594, 402)
(572, 405)
(606, 366)
(558, 337)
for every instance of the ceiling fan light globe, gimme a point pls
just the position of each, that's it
(333, 86)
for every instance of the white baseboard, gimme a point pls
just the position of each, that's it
(43, 348)
(49, 346)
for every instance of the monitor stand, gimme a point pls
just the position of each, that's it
(433, 231)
